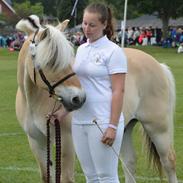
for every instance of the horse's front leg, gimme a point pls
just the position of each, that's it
(67, 152)
(39, 149)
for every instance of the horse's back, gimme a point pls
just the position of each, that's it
(143, 65)
(147, 86)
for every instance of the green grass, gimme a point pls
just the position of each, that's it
(17, 164)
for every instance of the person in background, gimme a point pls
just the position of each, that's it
(136, 35)
(101, 67)
(141, 36)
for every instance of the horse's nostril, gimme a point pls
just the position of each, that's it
(76, 100)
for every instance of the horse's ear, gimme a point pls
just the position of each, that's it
(62, 26)
(44, 34)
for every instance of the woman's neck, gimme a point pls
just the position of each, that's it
(94, 40)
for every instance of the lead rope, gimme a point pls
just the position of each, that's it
(58, 148)
(95, 121)
(48, 150)
(58, 151)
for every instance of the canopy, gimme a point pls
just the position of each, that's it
(151, 20)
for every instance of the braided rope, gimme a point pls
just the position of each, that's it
(58, 152)
(48, 150)
(58, 148)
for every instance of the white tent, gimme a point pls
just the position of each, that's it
(151, 20)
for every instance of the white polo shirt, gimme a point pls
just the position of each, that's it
(94, 64)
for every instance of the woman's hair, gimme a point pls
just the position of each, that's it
(105, 16)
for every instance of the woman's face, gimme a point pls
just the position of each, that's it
(92, 26)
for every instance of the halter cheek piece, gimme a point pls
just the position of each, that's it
(33, 45)
(51, 88)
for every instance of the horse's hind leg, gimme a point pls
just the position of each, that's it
(128, 153)
(161, 138)
(167, 155)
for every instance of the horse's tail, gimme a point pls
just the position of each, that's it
(172, 98)
(29, 24)
(153, 155)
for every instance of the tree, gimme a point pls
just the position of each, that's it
(165, 10)
(117, 7)
(26, 8)
(64, 9)
(50, 6)
(23, 10)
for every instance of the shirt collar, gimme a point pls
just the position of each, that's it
(98, 42)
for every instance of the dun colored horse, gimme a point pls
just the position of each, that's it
(46, 50)
(149, 99)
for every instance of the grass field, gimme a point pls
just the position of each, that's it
(17, 164)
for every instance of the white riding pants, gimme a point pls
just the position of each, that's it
(98, 161)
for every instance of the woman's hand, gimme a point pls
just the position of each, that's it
(59, 115)
(109, 136)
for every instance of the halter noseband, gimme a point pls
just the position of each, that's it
(51, 88)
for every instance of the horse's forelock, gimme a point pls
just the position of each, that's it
(54, 50)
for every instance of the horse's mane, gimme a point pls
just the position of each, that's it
(54, 50)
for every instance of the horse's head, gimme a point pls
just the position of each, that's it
(49, 66)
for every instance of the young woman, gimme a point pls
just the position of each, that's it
(101, 67)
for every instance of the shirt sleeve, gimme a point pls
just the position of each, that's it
(117, 62)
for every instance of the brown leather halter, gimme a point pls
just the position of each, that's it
(41, 73)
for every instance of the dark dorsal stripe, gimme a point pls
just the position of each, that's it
(32, 22)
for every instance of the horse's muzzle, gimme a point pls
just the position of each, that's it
(72, 98)
(74, 103)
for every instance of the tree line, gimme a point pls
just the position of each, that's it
(164, 9)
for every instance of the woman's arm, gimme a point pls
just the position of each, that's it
(118, 84)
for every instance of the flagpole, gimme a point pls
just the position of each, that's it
(74, 8)
(74, 12)
(123, 24)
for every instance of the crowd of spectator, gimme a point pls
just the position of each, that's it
(150, 36)
(12, 41)
(77, 38)
(133, 36)
(140, 36)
